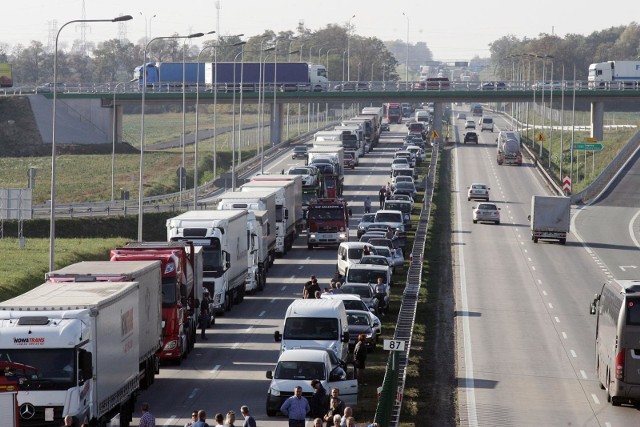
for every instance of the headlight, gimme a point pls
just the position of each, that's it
(171, 345)
(274, 391)
(312, 236)
(342, 236)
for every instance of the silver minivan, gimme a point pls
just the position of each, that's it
(349, 254)
(486, 123)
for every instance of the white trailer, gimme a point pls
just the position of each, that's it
(613, 73)
(73, 350)
(550, 218)
(289, 219)
(148, 274)
(224, 240)
(262, 251)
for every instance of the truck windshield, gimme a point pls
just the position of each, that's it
(326, 214)
(50, 369)
(311, 328)
(300, 370)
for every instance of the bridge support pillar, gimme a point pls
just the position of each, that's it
(276, 123)
(597, 120)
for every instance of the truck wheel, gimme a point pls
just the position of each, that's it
(227, 303)
(271, 413)
(309, 246)
(563, 241)
(535, 239)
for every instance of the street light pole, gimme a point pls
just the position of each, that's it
(343, 54)
(146, 20)
(263, 73)
(349, 49)
(195, 140)
(327, 60)
(144, 91)
(233, 115)
(52, 220)
(406, 78)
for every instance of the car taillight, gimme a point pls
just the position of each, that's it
(620, 365)
(477, 212)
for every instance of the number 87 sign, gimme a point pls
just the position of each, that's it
(394, 345)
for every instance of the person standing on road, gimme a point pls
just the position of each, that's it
(296, 408)
(249, 421)
(367, 205)
(382, 195)
(146, 420)
(335, 394)
(318, 399)
(231, 419)
(204, 313)
(219, 419)
(194, 419)
(360, 357)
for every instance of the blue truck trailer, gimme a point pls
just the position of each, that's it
(168, 75)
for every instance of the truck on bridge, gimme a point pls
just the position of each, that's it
(285, 76)
(603, 74)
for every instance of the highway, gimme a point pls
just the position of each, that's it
(525, 338)
(228, 370)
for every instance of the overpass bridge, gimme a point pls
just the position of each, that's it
(101, 103)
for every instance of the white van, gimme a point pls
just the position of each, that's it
(617, 310)
(350, 253)
(315, 323)
(486, 123)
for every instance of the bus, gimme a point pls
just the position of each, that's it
(617, 311)
(393, 112)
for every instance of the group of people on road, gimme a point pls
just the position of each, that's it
(199, 419)
(312, 289)
(384, 193)
(326, 411)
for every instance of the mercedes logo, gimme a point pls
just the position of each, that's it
(27, 411)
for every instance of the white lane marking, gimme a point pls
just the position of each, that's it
(551, 306)
(302, 266)
(283, 288)
(544, 293)
(469, 383)
(215, 369)
(573, 353)
(631, 233)
(557, 319)
(272, 301)
(249, 328)
(564, 335)
(193, 393)
(533, 267)
(236, 345)
(262, 313)
(292, 277)
(595, 399)
(584, 374)
(169, 421)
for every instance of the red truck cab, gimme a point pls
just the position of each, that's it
(327, 222)
(178, 301)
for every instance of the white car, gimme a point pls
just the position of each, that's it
(486, 212)
(354, 302)
(478, 190)
(399, 163)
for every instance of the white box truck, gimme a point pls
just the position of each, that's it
(550, 218)
(224, 241)
(148, 274)
(289, 220)
(72, 348)
(614, 74)
(263, 248)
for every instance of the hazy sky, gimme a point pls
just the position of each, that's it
(454, 31)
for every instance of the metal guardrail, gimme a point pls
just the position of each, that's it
(390, 402)
(333, 86)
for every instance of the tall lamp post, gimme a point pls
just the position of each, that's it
(144, 91)
(147, 21)
(195, 140)
(326, 64)
(263, 72)
(233, 115)
(406, 78)
(349, 48)
(52, 222)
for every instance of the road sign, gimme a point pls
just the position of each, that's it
(590, 139)
(584, 146)
(435, 134)
(566, 184)
(540, 137)
(394, 345)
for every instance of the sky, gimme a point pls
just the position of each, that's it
(456, 31)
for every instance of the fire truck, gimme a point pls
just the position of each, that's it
(327, 222)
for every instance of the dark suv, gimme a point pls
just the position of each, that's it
(470, 137)
(299, 152)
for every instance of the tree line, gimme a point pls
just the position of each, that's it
(368, 58)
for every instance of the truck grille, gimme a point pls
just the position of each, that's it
(327, 229)
(31, 416)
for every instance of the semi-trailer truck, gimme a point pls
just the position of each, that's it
(612, 73)
(550, 218)
(224, 239)
(149, 278)
(169, 75)
(285, 76)
(180, 292)
(71, 348)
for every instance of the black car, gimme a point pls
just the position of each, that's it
(299, 152)
(470, 137)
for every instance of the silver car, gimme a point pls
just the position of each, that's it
(488, 212)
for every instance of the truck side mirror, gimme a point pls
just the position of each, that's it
(529, 217)
(286, 213)
(270, 375)
(350, 212)
(345, 337)
(86, 365)
(277, 337)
